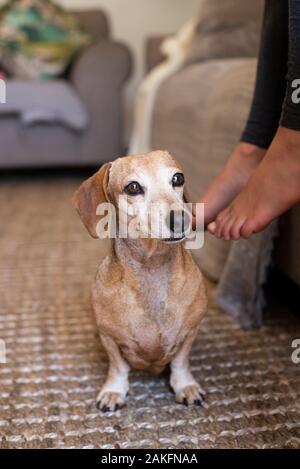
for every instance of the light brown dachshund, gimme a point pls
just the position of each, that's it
(148, 294)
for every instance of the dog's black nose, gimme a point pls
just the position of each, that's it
(178, 222)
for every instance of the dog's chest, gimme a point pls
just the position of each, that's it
(148, 314)
(155, 318)
(154, 328)
(154, 285)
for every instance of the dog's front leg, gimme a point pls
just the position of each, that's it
(187, 390)
(113, 393)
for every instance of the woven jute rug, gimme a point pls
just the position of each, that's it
(56, 364)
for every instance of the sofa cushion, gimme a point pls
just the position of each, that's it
(54, 102)
(38, 38)
(227, 28)
(95, 22)
(198, 116)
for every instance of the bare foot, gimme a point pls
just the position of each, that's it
(233, 178)
(272, 189)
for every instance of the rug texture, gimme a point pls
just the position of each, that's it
(55, 362)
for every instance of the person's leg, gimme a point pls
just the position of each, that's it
(270, 87)
(290, 117)
(264, 115)
(275, 185)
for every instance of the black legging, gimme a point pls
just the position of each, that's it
(278, 67)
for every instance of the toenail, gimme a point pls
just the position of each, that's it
(212, 227)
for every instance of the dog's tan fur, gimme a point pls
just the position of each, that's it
(148, 296)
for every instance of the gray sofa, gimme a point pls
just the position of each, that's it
(97, 77)
(201, 110)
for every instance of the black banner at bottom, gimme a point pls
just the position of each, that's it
(138, 458)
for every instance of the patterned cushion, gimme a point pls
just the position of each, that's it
(227, 29)
(38, 38)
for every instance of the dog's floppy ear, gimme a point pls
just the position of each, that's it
(89, 195)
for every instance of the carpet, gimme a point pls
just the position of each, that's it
(56, 364)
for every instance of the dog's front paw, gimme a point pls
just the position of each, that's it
(110, 401)
(189, 395)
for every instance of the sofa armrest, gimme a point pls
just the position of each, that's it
(174, 49)
(95, 22)
(98, 69)
(153, 53)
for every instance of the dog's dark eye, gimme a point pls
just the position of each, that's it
(178, 180)
(133, 188)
